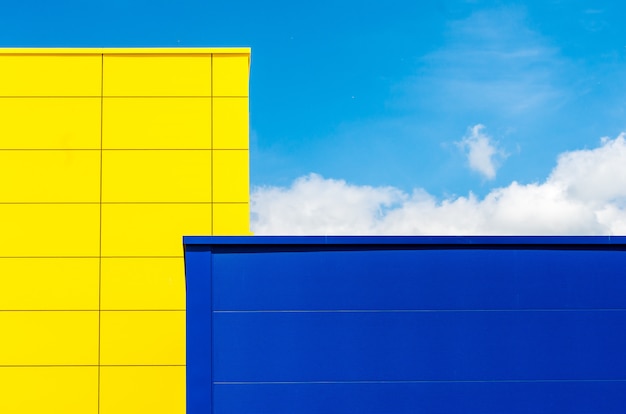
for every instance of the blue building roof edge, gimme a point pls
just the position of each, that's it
(404, 240)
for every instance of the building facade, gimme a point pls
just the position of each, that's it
(107, 158)
(406, 324)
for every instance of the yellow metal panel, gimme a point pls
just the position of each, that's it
(49, 284)
(142, 338)
(50, 230)
(136, 284)
(157, 75)
(49, 176)
(230, 123)
(230, 74)
(49, 390)
(231, 219)
(31, 230)
(156, 123)
(50, 75)
(151, 229)
(156, 176)
(127, 51)
(49, 338)
(230, 176)
(138, 390)
(50, 123)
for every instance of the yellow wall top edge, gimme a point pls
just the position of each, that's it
(130, 51)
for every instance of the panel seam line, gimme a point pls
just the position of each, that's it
(100, 224)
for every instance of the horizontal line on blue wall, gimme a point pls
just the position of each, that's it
(423, 310)
(409, 382)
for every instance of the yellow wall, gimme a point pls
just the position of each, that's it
(107, 158)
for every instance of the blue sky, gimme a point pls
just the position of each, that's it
(387, 93)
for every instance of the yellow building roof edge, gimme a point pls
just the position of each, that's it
(125, 51)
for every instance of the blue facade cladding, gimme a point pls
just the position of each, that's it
(390, 325)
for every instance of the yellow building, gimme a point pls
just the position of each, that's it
(107, 158)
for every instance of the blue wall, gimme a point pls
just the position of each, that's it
(380, 325)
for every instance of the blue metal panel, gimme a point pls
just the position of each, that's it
(419, 346)
(532, 397)
(406, 324)
(199, 329)
(420, 279)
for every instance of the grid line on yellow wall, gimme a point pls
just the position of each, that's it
(49, 149)
(124, 149)
(94, 310)
(120, 96)
(94, 257)
(115, 202)
(49, 202)
(212, 167)
(90, 365)
(48, 96)
(100, 243)
(49, 310)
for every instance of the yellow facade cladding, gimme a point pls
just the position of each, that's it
(107, 158)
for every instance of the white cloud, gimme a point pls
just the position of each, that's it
(481, 151)
(330, 206)
(584, 194)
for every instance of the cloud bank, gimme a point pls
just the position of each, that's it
(585, 194)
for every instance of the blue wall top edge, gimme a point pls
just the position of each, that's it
(404, 240)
